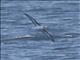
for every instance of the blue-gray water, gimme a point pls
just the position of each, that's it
(62, 18)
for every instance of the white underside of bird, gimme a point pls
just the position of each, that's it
(40, 27)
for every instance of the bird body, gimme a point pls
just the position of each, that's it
(40, 27)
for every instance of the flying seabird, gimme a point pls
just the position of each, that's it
(40, 27)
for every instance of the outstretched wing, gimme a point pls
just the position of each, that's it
(35, 23)
(48, 34)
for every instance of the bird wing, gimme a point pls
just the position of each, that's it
(35, 23)
(48, 34)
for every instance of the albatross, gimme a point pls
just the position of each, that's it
(39, 27)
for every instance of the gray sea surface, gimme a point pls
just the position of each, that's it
(62, 21)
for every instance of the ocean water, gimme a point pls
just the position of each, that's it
(62, 21)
